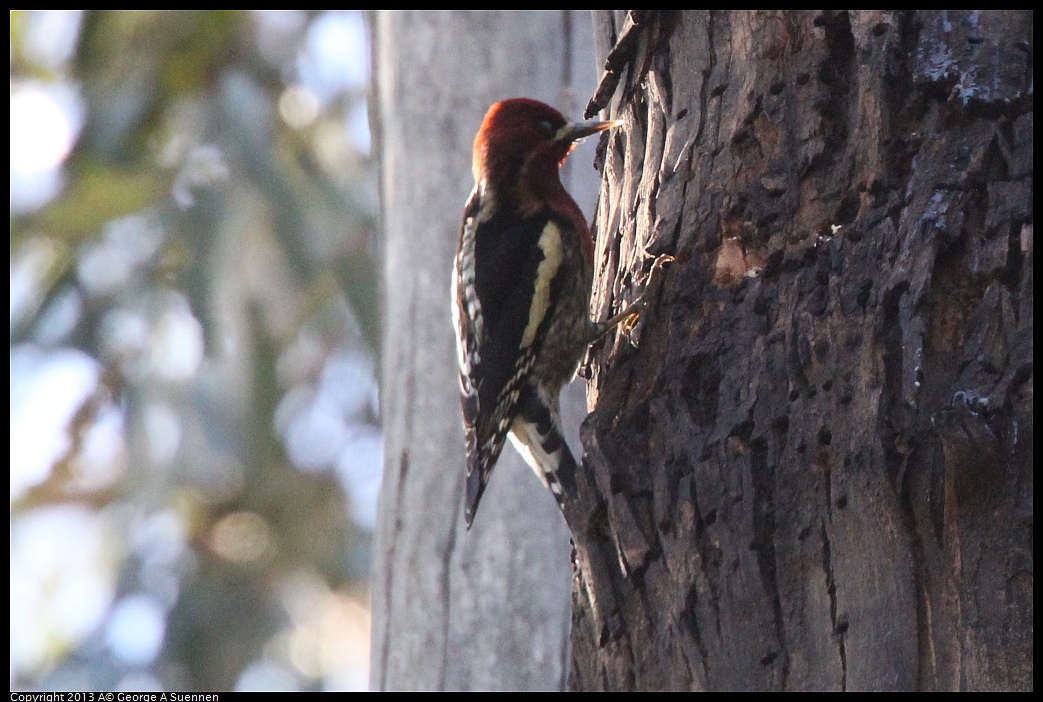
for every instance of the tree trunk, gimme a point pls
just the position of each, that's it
(813, 471)
(488, 608)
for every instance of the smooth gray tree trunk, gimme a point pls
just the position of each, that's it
(489, 608)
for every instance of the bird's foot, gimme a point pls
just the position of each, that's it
(628, 318)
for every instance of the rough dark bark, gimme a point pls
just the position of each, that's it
(813, 472)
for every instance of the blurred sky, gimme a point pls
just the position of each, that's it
(62, 557)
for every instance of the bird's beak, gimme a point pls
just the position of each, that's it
(577, 130)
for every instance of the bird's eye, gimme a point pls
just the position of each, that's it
(545, 128)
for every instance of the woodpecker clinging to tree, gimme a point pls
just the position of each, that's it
(521, 292)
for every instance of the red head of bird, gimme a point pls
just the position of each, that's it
(520, 146)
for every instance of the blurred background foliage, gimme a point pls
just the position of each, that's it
(195, 442)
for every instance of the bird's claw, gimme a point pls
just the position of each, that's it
(628, 318)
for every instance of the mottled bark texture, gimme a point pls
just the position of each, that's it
(813, 472)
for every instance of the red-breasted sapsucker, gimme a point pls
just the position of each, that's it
(521, 292)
